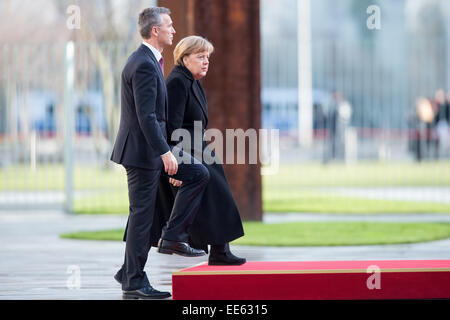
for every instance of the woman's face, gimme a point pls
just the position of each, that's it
(197, 63)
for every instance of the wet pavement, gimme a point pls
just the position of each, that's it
(36, 264)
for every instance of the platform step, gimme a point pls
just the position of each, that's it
(315, 280)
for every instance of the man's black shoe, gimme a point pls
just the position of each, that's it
(146, 292)
(180, 248)
(224, 259)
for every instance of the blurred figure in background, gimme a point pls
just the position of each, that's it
(414, 133)
(437, 128)
(421, 124)
(441, 121)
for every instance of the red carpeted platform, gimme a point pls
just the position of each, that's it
(315, 280)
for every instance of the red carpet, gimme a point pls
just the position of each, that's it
(315, 280)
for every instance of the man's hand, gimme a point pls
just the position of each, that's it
(175, 182)
(170, 163)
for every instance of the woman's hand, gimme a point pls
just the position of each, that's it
(175, 182)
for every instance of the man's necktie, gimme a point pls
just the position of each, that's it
(161, 64)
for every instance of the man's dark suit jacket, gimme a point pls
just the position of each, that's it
(141, 139)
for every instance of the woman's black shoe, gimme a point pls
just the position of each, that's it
(224, 258)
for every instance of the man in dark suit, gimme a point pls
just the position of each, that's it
(141, 147)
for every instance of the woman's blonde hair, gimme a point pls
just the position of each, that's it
(190, 45)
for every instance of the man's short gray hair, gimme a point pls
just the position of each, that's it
(150, 18)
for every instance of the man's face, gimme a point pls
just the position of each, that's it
(165, 31)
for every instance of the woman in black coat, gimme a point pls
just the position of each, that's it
(218, 221)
